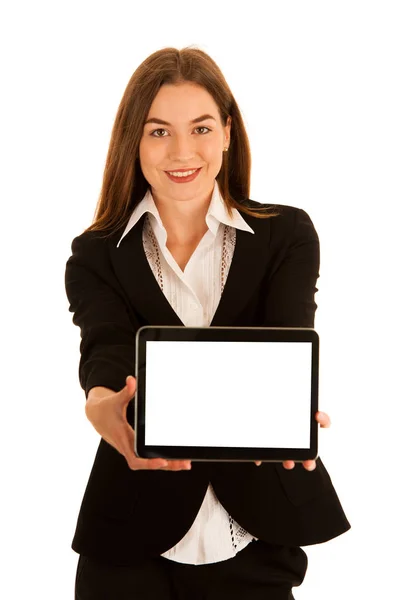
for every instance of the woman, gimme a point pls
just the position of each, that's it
(167, 248)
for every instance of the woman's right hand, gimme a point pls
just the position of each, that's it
(107, 414)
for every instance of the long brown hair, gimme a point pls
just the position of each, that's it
(124, 184)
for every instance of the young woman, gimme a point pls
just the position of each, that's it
(172, 248)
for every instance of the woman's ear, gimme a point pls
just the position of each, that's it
(227, 131)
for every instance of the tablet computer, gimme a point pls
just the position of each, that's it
(226, 393)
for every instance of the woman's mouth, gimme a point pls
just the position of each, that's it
(183, 178)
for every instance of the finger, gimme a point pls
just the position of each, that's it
(157, 463)
(310, 465)
(132, 459)
(136, 464)
(130, 387)
(177, 465)
(257, 462)
(126, 438)
(288, 464)
(125, 396)
(323, 419)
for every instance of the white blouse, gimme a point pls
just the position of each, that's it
(194, 294)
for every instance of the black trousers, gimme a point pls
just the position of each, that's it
(260, 571)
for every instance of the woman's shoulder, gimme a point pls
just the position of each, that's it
(284, 209)
(93, 240)
(285, 215)
(91, 250)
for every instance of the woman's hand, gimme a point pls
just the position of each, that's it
(107, 414)
(324, 420)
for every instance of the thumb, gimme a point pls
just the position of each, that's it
(130, 388)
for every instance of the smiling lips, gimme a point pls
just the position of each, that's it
(183, 178)
(185, 170)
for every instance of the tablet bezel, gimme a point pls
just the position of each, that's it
(212, 453)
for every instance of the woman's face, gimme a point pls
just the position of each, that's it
(178, 144)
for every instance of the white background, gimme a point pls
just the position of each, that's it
(318, 86)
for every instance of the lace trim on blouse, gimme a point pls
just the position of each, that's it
(152, 252)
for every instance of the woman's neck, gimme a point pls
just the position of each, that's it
(184, 221)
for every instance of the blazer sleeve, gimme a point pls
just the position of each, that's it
(107, 331)
(289, 299)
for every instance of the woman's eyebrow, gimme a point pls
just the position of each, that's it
(161, 122)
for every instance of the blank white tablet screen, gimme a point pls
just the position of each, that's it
(228, 394)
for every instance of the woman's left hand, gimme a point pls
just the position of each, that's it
(324, 420)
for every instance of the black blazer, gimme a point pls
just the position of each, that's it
(112, 292)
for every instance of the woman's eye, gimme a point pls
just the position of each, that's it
(156, 130)
(203, 127)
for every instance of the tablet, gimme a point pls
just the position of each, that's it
(226, 393)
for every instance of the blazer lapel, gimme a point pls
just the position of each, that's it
(248, 267)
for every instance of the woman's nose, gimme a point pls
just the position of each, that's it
(182, 148)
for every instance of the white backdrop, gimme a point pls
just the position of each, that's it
(318, 86)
